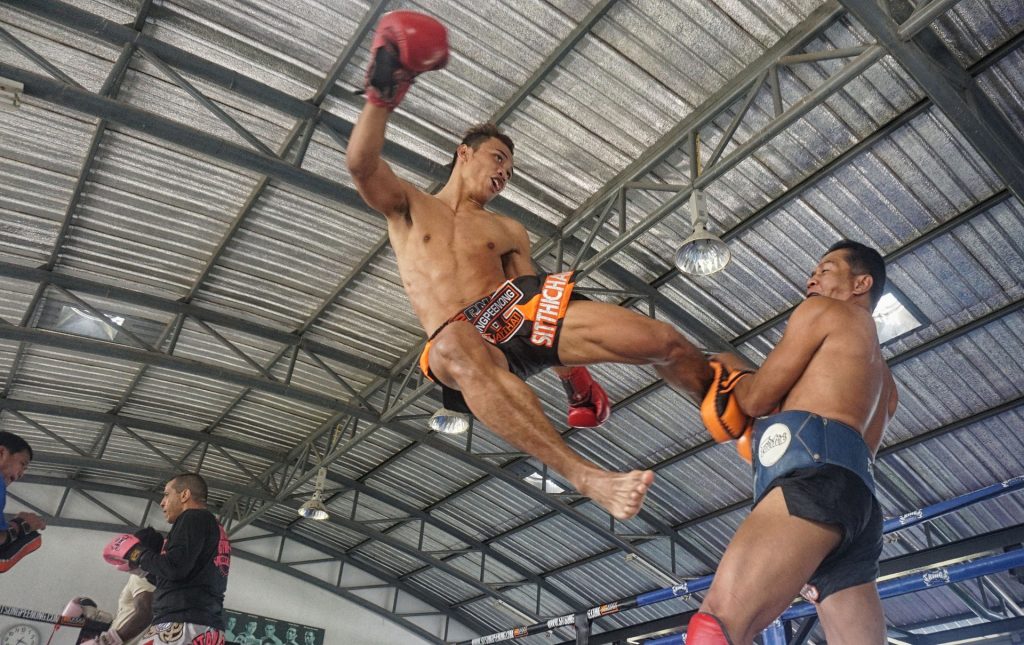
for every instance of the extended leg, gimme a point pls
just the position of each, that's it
(461, 359)
(598, 332)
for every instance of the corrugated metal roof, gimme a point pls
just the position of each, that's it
(274, 313)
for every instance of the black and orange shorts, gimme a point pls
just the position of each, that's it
(523, 318)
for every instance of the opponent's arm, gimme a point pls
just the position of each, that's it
(142, 616)
(806, 330)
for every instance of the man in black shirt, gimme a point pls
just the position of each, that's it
(191, 571)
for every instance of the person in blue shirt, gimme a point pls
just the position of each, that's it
(19, 536)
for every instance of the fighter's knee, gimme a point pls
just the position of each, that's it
(458, 352)
(674, 345)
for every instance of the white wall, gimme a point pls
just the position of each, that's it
(70, 564)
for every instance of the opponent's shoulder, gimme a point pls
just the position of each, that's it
(826, 310)
(814, 310)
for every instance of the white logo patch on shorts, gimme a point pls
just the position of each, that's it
(773, 444)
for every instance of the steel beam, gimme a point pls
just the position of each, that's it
(934, 68)
(732, 91)
(189, 366)
(338, 590)
(239, 323)
(203, 143)
(582, 28)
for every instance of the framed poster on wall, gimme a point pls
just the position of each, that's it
(250, 629)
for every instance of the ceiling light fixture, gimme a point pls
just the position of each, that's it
(314, 509)
(448, 421)
(703, 253)
(453, 417)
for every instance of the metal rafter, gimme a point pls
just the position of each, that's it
(111, 86)
(98, 27)
(67, 96)
(348, 592)
(178, 308)
(950, 86)
(20, 408)
(721, 100)
(302, 132)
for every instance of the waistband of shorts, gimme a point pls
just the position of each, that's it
(795, 439)
(523, 283)
(462, 314)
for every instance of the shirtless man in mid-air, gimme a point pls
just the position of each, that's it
(492, 322)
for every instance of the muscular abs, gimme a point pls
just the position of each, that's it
(448, 259)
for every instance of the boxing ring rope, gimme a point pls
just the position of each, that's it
(906, 584)
(919, 581)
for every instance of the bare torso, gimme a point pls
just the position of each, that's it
(449, 258)
(847, 378)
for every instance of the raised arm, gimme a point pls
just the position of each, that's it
(404, 45)
(378, 185)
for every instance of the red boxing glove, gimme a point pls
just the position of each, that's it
(588, 402)
(123, 552)
(405, 45)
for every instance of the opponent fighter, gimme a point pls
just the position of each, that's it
(20, 535)
(135, 603)
(191, 570)
(493, 322)
(828, 394)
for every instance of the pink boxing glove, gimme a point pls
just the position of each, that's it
(123, 552)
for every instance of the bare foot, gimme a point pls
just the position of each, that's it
(621, 494)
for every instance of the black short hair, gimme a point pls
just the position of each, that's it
(864, 260)
(478, 134)
(14, 443)
(195, 483)
(150, 539)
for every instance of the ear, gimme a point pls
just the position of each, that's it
(862, 284)
(463, 151)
